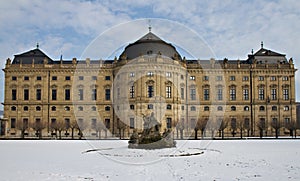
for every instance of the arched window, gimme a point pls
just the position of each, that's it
(206, 108)
(286, 108)
(246, 108)
(150, 106)
(67, 108)
(38, 108)
(80, 108)
(274, 108)
(107, 108)
(233, 108)
(169, 106)
(262, 108)
(53, 108)
(193, 108)
(220, 108)
(25, 108)
(94, 108)
(13, 108)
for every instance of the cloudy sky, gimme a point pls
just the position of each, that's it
(230, 28)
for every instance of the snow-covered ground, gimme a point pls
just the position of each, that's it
(112, 160)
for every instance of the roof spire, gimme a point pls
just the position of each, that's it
(37, 45)
(252, 51)
(149, 25)
(262, 44)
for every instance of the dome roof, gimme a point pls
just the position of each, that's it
(150, 44)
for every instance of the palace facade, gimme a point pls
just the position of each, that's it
(94, 99)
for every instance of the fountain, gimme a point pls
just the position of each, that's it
(150, 137)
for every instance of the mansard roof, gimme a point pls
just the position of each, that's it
(264, 55)
(35, 55)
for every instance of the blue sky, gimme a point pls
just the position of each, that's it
(231, 28)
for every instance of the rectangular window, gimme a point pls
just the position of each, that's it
(261, 94)
(54, 94)
(94, 94)
(169, 123)
(107, 123)
(206, 78)
(13, 123)
(14, 94)
(150, 91)
(246, 94)
(150, 74)
(131, 74)
(26, 78)
(273, 94)
(38, 94)
(219, 94)
(25, 123)
(132, 107)
(261, 78)
(192, 78)
(54, 78)
(232, 93)
(273, 78)
(67, 94)
(67, 123)
(286, 121)
(131, 124)
(107, 94)
(168, 74)
(182, 93)
(285, 94)
(38, 78)
(168, 92)
(94, 123)
(67, 78)
(131, 92)
(80, 94)
(193, 94)
(232, 78)
(94, 77)
(206, 94)
(245, 78)
(219, 78)
(81, 78)
(107, 77)
(26, 94)
(285, 78)
(14, 78)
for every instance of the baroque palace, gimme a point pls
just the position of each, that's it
(46, 98)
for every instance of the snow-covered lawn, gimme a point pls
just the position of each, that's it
(112, 160)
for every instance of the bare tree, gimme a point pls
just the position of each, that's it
(81, 127)
(99, 127)
(246, 125)
(200, 125)
(58, 126)
(233, 126)
(180, 127)
(276, 125)
(121, 126)
(291, 126)
(223, 126)
(241, 127)
(73, 126)
(22, 126)
(261, 127)
(38, 127)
